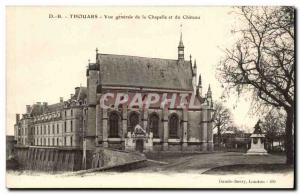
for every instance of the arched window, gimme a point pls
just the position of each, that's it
(133, 121)
(154, 124)
(113, 125)
(173, 126)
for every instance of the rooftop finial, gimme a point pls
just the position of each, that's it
(209, 91)
(96, 50)
(199, 81)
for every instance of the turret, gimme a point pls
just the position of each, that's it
(199, 86)
(180, 48)
(209, 96)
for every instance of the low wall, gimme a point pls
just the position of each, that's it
(102, 157)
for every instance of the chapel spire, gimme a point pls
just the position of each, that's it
(180, 46)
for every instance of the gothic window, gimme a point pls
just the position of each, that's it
(133, 121)
(173, 126)
(113, 125)
(154, 124)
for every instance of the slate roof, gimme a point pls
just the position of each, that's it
(37, 109)
(122, 70)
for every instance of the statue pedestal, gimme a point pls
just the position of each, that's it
(257, 145)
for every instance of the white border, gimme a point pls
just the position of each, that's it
(5, 3)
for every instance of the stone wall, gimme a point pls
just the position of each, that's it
(48, 159)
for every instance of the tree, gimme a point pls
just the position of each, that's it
(221, 120)
(263, 61)
(273, 125)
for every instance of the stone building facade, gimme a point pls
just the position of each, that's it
(81, 123)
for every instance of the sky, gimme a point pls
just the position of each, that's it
(46, 57)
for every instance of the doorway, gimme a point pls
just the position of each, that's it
(139, 145)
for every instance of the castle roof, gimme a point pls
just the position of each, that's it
(133, 71)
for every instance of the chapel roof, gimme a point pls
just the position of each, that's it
(124, 70)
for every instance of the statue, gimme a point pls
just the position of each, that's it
(257, 143)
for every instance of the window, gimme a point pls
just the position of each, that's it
(57, 128)
(71, 140)
(71, 126)
(53, 129)
(154, 124)
(113, 125)
(53, 141)
(65, 141)
(48, 129)
(173, 126)
(65, 126)
(65, 113)
(71, 112)
(57, 143)
(133, 121)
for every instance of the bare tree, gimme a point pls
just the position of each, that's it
(263, 61)
(221, 120)
(273, 125)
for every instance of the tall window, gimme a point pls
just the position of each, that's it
(57, 128)
(113, 125)
(173, 126)
(65, 126)
(53, 128)
(71, 140)
(71, 128)
(57, 143)
(154, 124)
(133, 121)
(71, 112)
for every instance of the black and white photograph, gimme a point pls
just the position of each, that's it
(150, 97)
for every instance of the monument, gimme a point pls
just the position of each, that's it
(257, 141)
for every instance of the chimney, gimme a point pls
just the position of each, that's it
(17, 118)
(77, 90)
(27, 109)
(61, 99)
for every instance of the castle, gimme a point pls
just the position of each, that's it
(62, 131)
